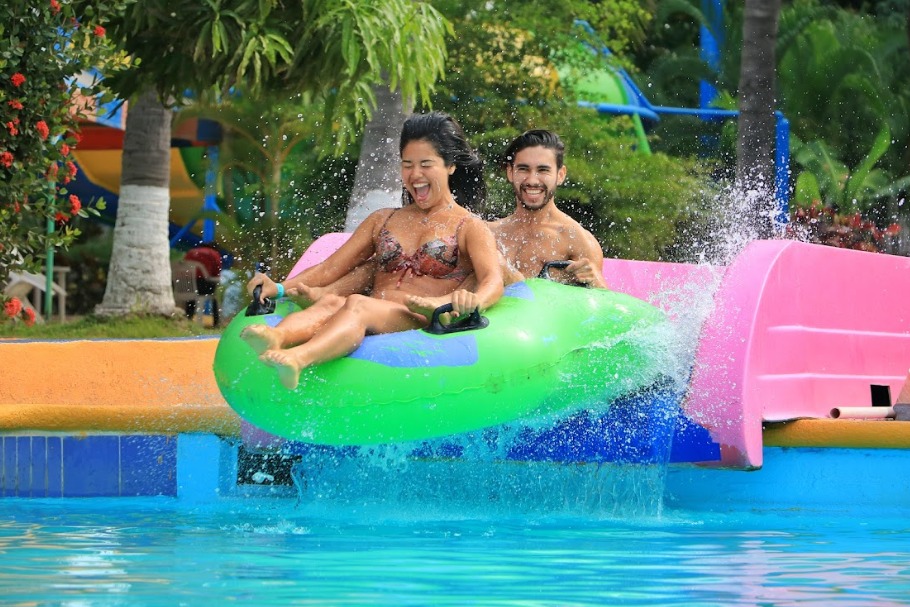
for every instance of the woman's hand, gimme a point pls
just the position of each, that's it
(269, 286)
(464, 302)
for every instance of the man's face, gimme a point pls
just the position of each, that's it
(534, 176)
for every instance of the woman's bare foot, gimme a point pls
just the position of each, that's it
(307, 295)
(261, 338)
(285, 364)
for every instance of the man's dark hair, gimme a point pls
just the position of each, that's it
(534, 138)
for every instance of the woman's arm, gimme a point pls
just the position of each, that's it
(353, 253)
(480, 246)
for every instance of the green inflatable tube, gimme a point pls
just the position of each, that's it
(549, 349)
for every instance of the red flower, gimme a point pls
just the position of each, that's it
(60, 217)
(76, 137)
(52, 171)
(64, 149)
(29, 316)
(75, 204)
(17, 79)
(6, 159)
(15, 104)
(99, 31)
(13, 131)
(55, 6)
(71, 168)
(12, 307)
(893, 230)
(41, 127)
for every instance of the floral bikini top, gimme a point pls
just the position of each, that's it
(437, 258)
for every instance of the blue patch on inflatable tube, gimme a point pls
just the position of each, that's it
(518, 290)
(417, 349)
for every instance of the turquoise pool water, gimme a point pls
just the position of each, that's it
(283, 551)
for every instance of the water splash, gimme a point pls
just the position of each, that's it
(484, 475)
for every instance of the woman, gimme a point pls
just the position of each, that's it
(422, 252)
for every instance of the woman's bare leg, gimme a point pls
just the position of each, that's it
(295, 328)
(341, 335)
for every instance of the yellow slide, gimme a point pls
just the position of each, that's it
(102, 168)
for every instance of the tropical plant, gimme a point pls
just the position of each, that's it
(43, 47)
(376, 182)
(281, 184)
(824, 225)
(826, 178)
(330, 53)
(757, 104)
(504, 80)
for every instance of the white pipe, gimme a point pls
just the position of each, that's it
(862, 412)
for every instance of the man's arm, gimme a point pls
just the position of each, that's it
(588, 262)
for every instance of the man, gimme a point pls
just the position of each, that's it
(535, 233)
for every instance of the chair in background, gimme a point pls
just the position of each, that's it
(183, 280)
(30, 288)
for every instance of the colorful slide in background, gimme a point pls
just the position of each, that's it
(99, 158)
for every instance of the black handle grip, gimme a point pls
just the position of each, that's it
(463, 323)
(559, 265)
(258, 308)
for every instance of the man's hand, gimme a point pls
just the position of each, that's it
(584, 272)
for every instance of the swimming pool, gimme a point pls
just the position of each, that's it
(607, 540)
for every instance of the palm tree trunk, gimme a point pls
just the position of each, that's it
(139, 278)
(757, 102)
(376, 180)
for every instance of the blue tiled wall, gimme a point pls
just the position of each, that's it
(88, 466)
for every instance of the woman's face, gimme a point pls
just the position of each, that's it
(425, 175)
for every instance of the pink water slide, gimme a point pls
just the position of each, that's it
(795, 330)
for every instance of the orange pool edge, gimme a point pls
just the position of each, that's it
(146, 386)
(845, 433)
(167, 386)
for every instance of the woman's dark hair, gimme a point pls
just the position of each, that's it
(448, 139)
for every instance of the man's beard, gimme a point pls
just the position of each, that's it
(548, 195)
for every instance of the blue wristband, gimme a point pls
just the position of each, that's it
(280, 290)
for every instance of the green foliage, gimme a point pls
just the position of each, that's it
(638, 206)
(504, 81)
(332, 53)
(828, 180)
(106, 327)
(824, 225)
(43, 47)
(88, 259)
(281, 182)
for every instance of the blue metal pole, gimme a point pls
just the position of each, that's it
(209, 202)
(711, 39)
(782, 169)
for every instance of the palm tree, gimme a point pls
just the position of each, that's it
(139, 278)
(376, 183)
(757, 103)
(330, 53)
